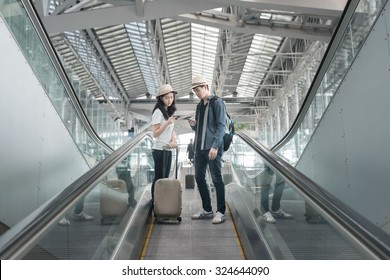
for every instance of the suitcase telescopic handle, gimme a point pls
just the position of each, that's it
(176, 160)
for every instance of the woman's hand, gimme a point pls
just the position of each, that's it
(172, 145)
(171, 120)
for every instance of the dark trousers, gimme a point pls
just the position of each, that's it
(79, 206)
(278, 192)
(162, 166)
(201, 163)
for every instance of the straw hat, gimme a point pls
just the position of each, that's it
(165, 89)
(198, 81)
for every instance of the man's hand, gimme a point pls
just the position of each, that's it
(213, 153)
(192, 122)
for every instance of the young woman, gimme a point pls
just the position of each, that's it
(162, 126)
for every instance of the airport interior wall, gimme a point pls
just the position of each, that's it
(38, 155)
(349, 152)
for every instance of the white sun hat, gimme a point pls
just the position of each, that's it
(198, 81)
(165, 89)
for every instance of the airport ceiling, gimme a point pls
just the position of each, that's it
(123, 50)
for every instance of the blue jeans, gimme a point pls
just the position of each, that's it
(79, 206)
(278, 192)
(201, 163)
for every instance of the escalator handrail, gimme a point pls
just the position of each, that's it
(369, 236)
(16, 242)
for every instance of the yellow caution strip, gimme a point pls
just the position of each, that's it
(236, 236)
(147, 239)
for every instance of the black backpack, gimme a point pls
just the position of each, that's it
(230, 130)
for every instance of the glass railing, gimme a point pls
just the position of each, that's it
(104, 125)
(26, 36)
(275, 123)
(304, 230)
(352, 40)
(93, 226)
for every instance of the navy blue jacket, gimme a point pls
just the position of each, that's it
(214, 124)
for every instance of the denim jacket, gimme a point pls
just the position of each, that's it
(214, 124)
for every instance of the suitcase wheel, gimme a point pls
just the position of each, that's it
(179, 219)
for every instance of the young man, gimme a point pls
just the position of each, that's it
(209, 126)
(268, 177)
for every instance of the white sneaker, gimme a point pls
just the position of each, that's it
(219, 218)
(64, 222)
(83, 216)
(202, 215)
(281, 214)
(269, 218)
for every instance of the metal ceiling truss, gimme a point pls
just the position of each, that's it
(223, 59)
(176, 44)
(297, 84)
(158, 51)
(249, 50)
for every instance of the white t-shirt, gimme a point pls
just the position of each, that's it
(165, 137)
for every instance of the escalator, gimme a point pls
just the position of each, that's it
(193, 239)
(338, 232)
(343, 234)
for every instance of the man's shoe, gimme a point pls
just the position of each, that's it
(202, 215)
(269, 218)
(83, 217)
(281, 214)
(219, 218)
(64, 222)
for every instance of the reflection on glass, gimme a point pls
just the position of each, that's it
(290, 225)
(34, 51)
(355, 34)
(94, 233)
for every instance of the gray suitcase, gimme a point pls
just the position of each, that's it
(167, 199)
(311, 216)
(113, 201)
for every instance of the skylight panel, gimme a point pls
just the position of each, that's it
(203, 50)
(255, 65)
(138, 37)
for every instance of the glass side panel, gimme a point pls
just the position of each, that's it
(35, 53)
(94, 226)
(358, 29)
(298, 232)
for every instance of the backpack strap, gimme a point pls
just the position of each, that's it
(228, 118)
(212, 101)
